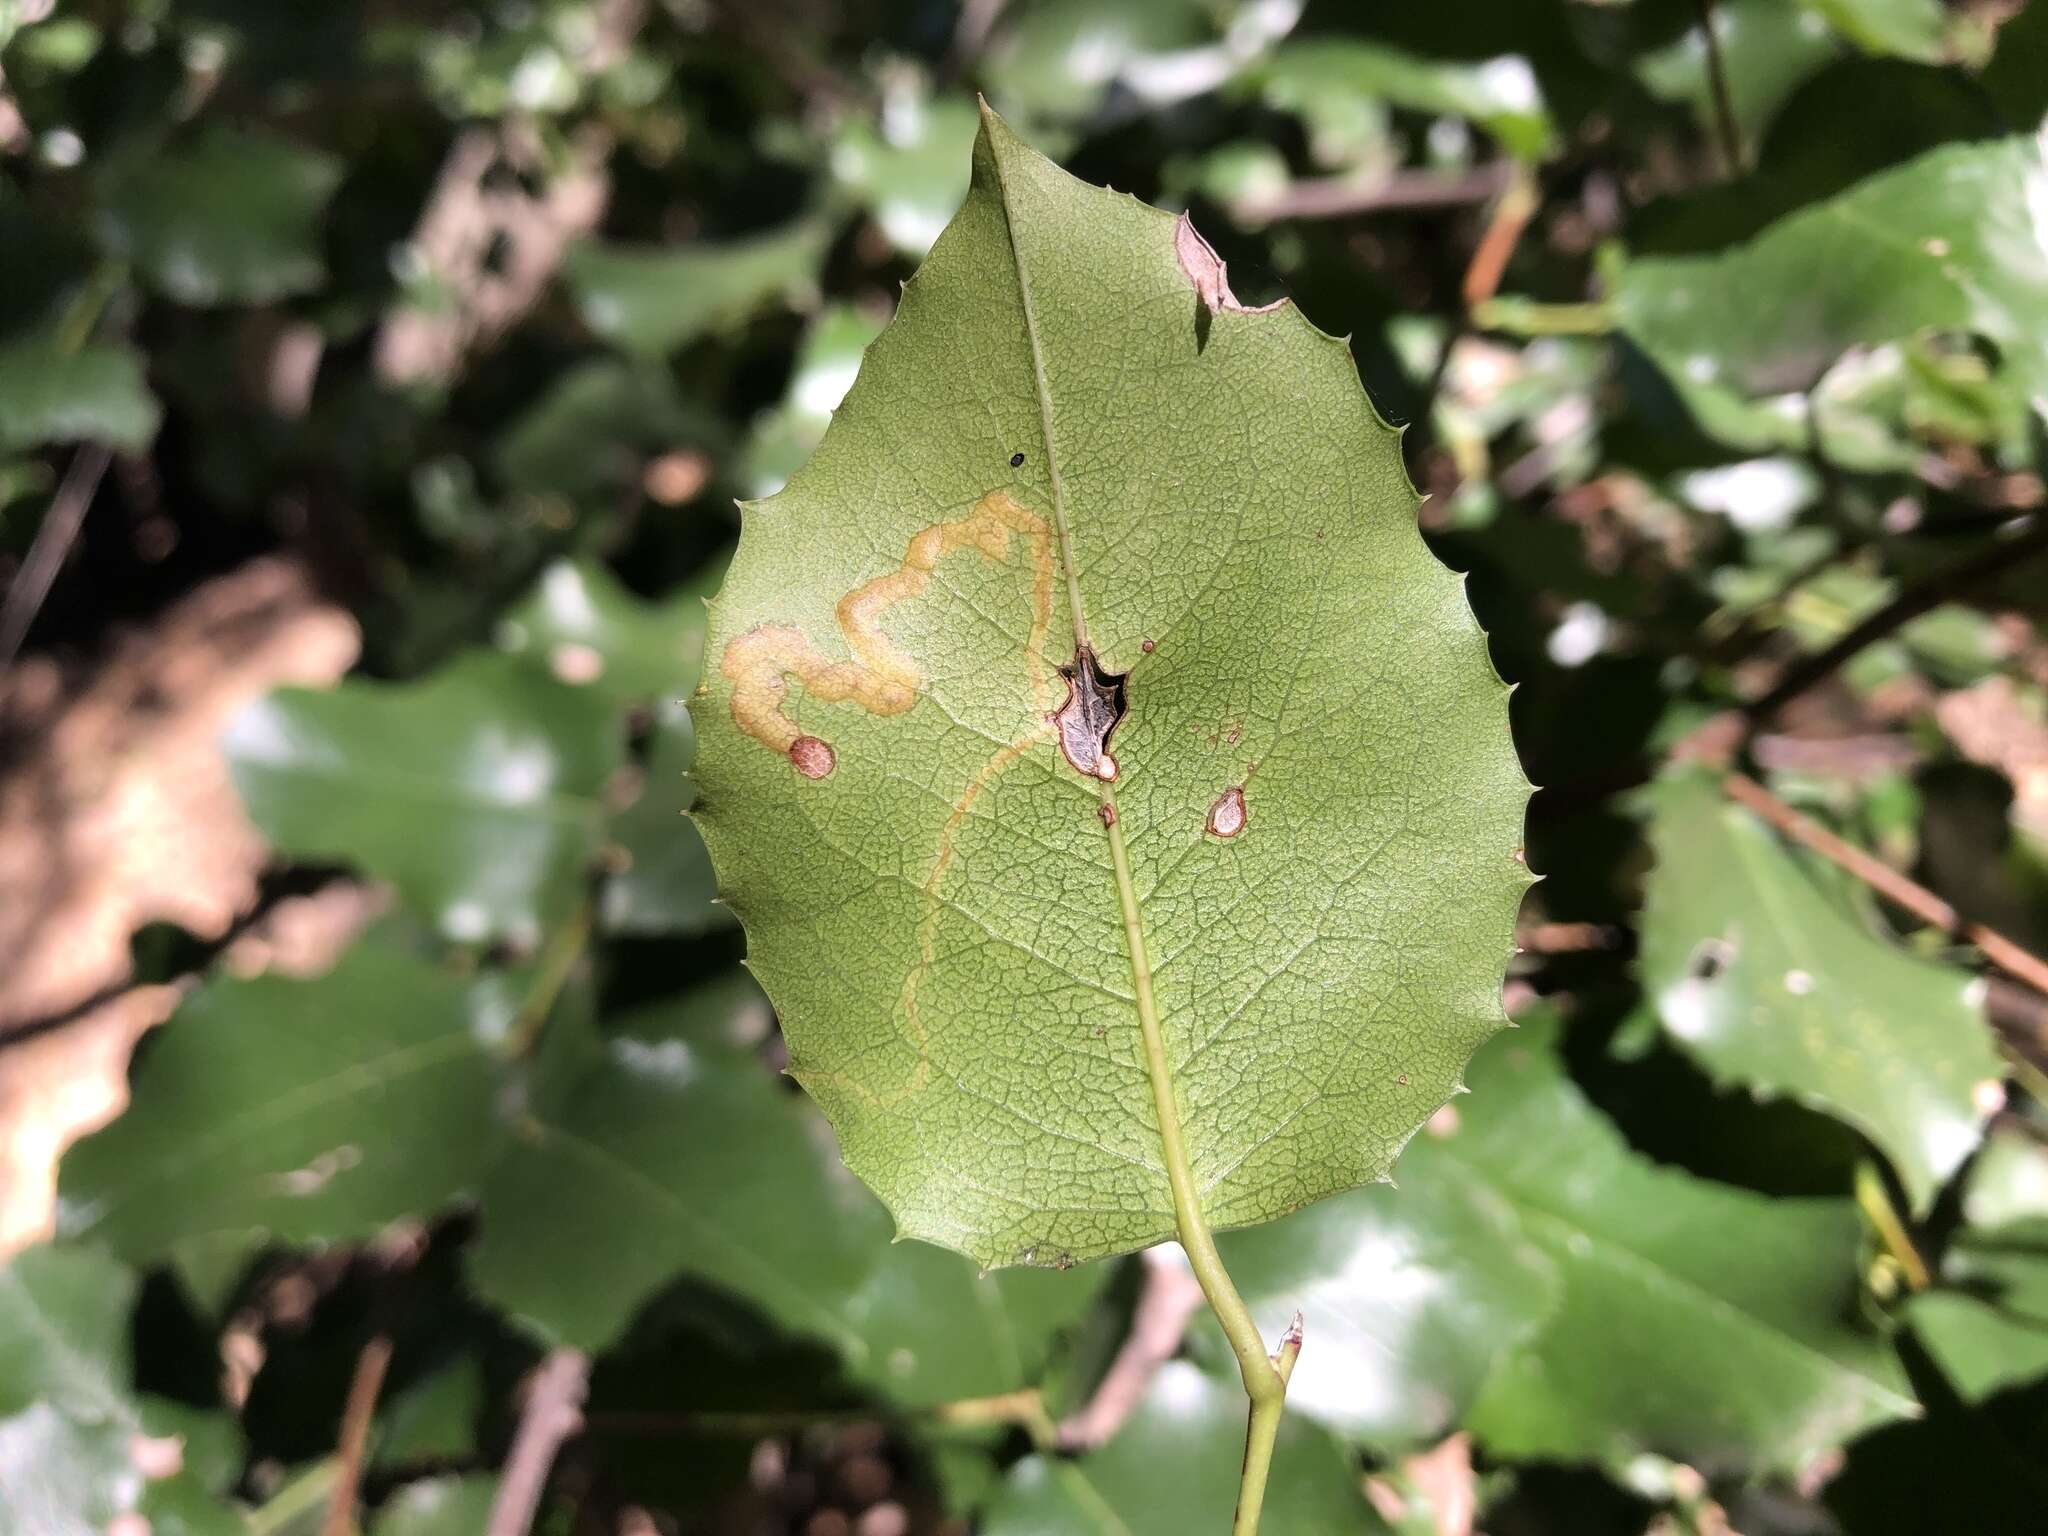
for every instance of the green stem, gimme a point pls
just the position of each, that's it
(1265, 1376)
(1528, 317)
(1890, 1227)
(557, 964)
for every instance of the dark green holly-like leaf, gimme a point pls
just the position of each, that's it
(1698, 1320)
(1409, 1295)
(297, 1111)
(78, 1447)
(477, 792)
(95, 394)
(684, 1140)
(1761, 977)
(231, 218)
(652, 301)
(1172, 1468)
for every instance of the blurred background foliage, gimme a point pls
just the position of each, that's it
(376, 383)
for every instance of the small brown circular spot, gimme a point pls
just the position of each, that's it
(1401, 1078)
(1147, 646)
(813, 758)
(1108, 814)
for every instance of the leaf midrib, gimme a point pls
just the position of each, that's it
(1186, 1200)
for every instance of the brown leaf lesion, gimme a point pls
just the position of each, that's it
(1096, 703)
(877, 673)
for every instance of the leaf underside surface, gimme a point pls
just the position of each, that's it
(1073, 440)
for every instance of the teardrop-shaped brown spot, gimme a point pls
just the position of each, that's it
(1227, 815)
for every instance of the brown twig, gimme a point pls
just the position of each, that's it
(1950, 582)
(1888, 882)
(1334, 197)
(1511, 215)
(363, 1389)
(1724, 101)
(52, 546)
(396, 1253)
(1171, 1296)
(554, 1412)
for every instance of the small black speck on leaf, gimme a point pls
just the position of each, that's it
(1016, 461)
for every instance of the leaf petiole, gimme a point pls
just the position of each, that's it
(1265, 1375)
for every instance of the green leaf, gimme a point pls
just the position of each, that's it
(1698, 1320)
(77, 1446)
(1907, 29)
(590, 434)
(1987, 1326)
(650, 300)
(476, 792)
(683, 1139)
(826, 363)
(666, 884)
(297, 1111)
(438, 1506)
(1172, 1468)
(937, 1332)
(2009, 1180)
(1943, 242)
(1763, 979)
(1767, 49)
(231, 218)
(588, 629)
(584, 626)
(910, 171)
(1319, 805)
(1334, 84)
(1059, 59)
(51, 394)
(1407, 1298)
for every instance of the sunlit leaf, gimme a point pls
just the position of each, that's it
(1316, 798)
(1409, 1295)
(476, 792)
(78, 1447)
(1698, 1320)
(1172, 1468)
(1762, 978)
(652, 300)
(910, 170)
(1945, 242)
(645, 658)
(1334, 85)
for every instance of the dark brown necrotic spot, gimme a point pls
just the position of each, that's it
(1095, 707)
(1016, 461)
(1226, 816)
(813, 758)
